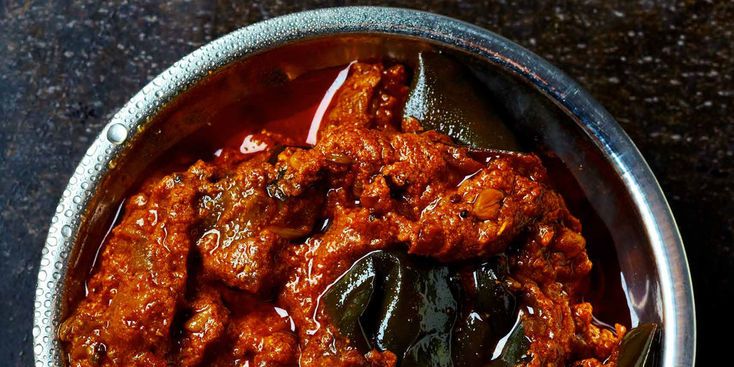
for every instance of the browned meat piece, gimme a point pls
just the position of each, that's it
(372, 97)
(387, 104)
(550, 267)
(246, 224)
(382, 359)
(125, 319)
(205, 327)
(592, 341)
(264, 337)
(353, 101)
(259, 337)
(482, 215)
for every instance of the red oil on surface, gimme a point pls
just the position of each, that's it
(294, 109)
(288, 110)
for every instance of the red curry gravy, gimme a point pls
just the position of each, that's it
(221, 256)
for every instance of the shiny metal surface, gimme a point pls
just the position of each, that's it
(550, 109)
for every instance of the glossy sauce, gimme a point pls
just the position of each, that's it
(294, 109)
(290, 110)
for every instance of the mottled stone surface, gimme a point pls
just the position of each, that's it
(662, 68)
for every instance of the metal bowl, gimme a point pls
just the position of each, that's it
(550, 112)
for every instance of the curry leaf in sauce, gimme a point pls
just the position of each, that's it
(437, 313)
(426, 313)
(514, 350)
(636, 349)
(488, 313)
(347, 300)
(397, 315)
(445, 97)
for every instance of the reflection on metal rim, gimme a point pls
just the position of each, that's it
(665, 242)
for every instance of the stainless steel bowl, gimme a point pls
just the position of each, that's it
(551, 112)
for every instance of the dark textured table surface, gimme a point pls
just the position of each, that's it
(662, 68)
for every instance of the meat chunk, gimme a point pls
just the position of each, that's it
(126, 317)
(485, 212)
(371, 97)
(259, 337)
(246, 225)
(204, 328)
(592, 341)
(353, 101)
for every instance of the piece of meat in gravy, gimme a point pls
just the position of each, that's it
(245, 224)
(131, 301)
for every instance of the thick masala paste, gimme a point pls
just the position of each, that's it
(382, 244)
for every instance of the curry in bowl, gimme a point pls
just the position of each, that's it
(351, 232)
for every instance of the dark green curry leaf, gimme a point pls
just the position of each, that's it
(391, 301)
(398, 316)
(348, 298)
(514, 350)
(430, 350)
(493, 297)
(487, 315)
(445, 97)
(472, 336)
(637, 346)
(437, 313)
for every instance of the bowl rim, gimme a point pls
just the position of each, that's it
(679, 341)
